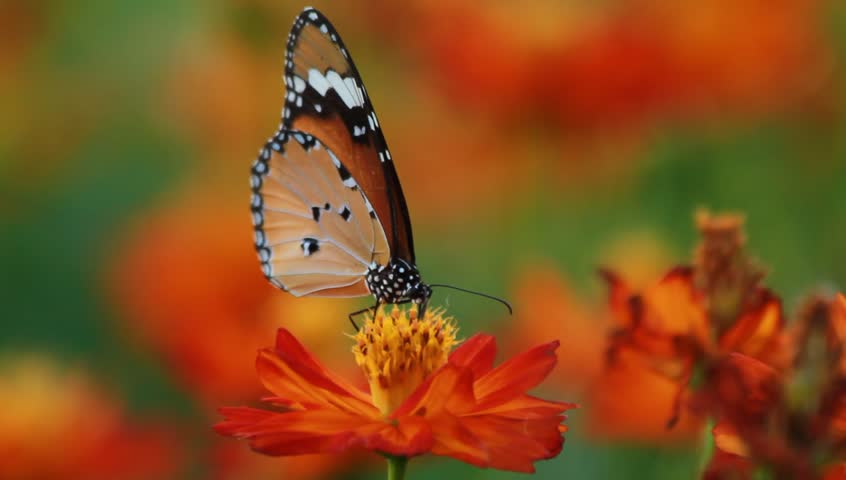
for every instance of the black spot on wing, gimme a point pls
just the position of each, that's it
(310, 246)
(344, 173)
(345, 213)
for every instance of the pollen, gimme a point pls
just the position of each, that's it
(397, 351)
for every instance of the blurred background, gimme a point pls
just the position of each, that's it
(535, 140)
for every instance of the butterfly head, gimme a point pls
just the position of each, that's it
(397, 282)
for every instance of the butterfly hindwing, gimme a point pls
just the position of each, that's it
(316, 231)
(326, 98)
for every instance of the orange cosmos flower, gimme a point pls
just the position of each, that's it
(422, 399)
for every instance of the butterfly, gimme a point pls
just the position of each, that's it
(329, 214)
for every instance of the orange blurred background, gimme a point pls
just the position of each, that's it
(536, 141)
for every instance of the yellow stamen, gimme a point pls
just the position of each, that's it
(397, 351)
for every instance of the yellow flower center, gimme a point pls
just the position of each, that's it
(397, 351)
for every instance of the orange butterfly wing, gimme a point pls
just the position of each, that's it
(316, 232)
(327, 99)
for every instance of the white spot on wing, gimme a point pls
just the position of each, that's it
(340, 87)
(312, 16)
(335, 160)
(353, 88)
(318, 82)
(324, 29)
(299, 84)
(346, 88)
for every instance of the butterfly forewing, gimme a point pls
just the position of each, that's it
(326, 98)
(316, 231)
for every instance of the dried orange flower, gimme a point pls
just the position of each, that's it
(688, 323)
(794, 425)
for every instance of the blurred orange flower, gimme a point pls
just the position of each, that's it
(621, 64)
(190, 286)
(687, 324)
(422, 399)
(45, 408)
(233, 124)
(669, 324)
(835, 472)
(629, 401)
(747, 394)
(551, 309)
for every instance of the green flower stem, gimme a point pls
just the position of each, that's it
(707, 447)
(396, 467)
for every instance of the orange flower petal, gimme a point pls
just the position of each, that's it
(728, 440)
(675, 306)
(746, 389)
(324, 431)
(449, 386)
(477, 354)
(837, 325)
(755, 332)
(619, 296)
(516, 375)
(292, 373)
(537, 439)
(526, 406)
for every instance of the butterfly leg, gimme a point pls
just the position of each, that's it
(363, 310)
(421, 309)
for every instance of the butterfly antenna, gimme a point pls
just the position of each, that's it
(500, 300)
